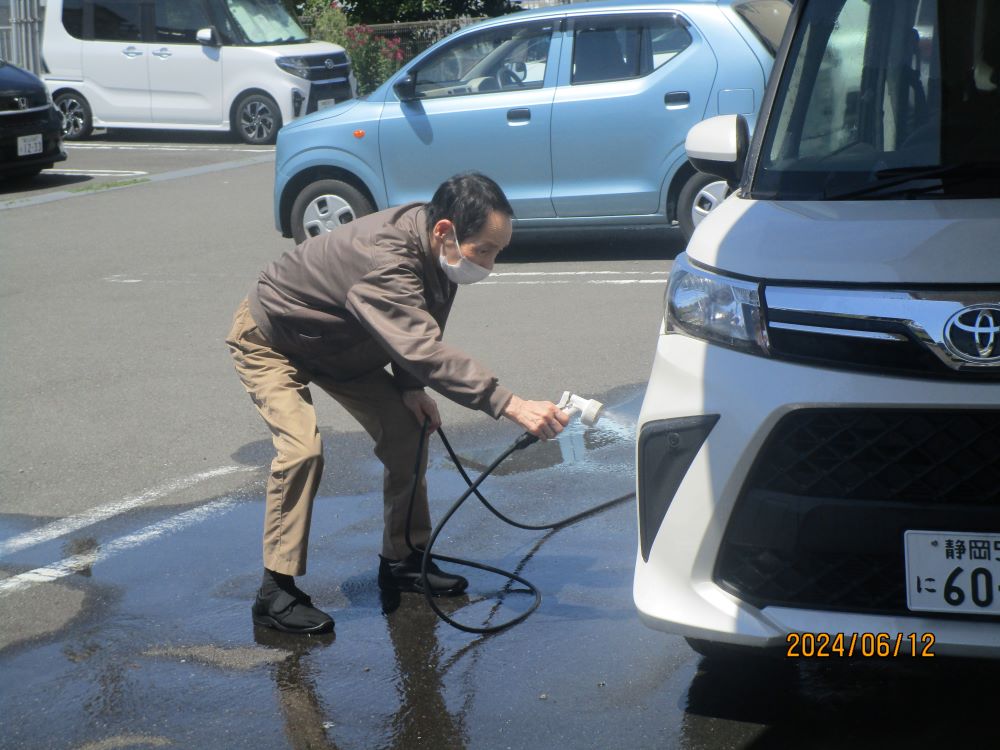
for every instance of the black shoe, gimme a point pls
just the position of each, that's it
(404, 575)
(290, 613)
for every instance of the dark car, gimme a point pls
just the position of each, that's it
(30, 126)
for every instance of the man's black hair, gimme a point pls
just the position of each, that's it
(467, 200)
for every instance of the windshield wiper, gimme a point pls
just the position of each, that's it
(899, 177)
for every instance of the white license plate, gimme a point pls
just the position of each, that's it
(29, 144)
(325, 103)
(952, 572)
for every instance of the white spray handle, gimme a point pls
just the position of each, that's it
(589, 409)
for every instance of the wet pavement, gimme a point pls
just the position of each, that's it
(140, 636)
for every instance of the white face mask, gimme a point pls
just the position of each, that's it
(465, 271)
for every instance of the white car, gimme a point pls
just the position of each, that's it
(240, 65)
(819, 444)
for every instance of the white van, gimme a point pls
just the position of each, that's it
(819, 442)
(244, 65)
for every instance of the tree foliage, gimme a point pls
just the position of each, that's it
(388, 11)
(374, 57)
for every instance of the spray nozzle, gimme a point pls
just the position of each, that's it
(589, 409)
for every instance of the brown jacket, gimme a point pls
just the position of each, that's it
(369, 294)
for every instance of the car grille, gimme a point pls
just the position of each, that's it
(20, 120)
(16, 103)
(894, 456)
(890, 332)
(326, 67)
(820, 520)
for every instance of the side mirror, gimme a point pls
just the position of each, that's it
(718, 146)
(406, 87)
(207, 36)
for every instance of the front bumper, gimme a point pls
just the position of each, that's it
(678, 587)
(307, 96)
(13, 126)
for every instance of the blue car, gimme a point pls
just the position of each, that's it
(578, 111)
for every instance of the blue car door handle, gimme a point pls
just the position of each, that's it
(519, 116)
(677, 99)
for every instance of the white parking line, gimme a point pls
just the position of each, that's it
(73, 523)
(159, 147)
(564, 281)
(97, 172)
(70, 565)
(575, 277)
(578, 273)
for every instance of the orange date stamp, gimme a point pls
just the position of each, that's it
(865, 645)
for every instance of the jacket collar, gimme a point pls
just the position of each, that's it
(438, 286)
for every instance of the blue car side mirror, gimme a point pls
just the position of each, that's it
(406, 87)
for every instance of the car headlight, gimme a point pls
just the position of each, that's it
(715, 308)
(294, 65)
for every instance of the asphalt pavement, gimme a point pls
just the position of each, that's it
(131, 483)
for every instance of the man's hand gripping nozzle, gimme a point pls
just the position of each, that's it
(588, 409)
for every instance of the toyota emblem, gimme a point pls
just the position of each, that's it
(973, 334)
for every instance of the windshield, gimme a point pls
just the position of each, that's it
(887, 99)
(265, 22)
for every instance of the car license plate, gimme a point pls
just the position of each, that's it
(29, 144)
(325, 103)
(952, 572)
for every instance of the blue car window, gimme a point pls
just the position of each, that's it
(511, 57)
(626, 47)
(668, 37)
(598, 54)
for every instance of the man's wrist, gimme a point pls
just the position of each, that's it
(512, 405)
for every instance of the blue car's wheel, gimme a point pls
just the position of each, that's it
(324, 205)
(699, 197)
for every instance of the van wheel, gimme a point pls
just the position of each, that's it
(258, 119)
(324, 205)
(78, 122)
(699, 196)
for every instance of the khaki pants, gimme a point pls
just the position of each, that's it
(280, 392)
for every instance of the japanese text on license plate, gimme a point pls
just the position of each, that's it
(952, 572)
(27, 145)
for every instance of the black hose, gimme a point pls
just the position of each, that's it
(473, 488)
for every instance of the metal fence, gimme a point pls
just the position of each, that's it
(5, 42)
(416, 36)
(21, 42)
